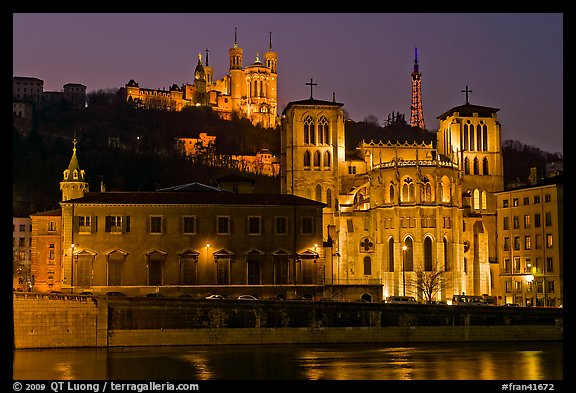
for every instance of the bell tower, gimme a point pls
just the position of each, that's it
(73, 184)
(313, 149)
(237, 78)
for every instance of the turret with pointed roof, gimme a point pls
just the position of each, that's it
(73, 184)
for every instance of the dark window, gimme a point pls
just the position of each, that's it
(223, 225)
(254, 227)
(155, 224)
(189, 224)
(281, 225)
(307, 226)
(367, 266)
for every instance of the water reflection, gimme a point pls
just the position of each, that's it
(458, 361)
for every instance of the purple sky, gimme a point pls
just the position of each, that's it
(511, 61)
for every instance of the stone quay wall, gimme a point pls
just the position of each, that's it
(51, 321)
(59, 321)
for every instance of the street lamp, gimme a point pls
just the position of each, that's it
(404, 248)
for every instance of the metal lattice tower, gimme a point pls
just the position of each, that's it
(416, 116)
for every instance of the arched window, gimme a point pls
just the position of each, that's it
(427, 254)
(476, 200)
(444, 189)
(485, 166)
(465, 265)
(408, 255)
(318, 193)
(484, 202)
(308, 130)
(466, 166)
(326, 162)
(367, 266)
(476, 166)
(307, 159)
(391, 255)
(408, 190)
(323, 133)
(329, 198)
(479, 137)
(484, 137)
(471, 137)
(466, 147)
(426, 190)
(446, 256)
(316, 159)
(391, 193)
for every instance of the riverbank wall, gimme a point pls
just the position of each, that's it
(64, 321)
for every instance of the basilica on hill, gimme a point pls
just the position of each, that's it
(371, 223)
(250, 92)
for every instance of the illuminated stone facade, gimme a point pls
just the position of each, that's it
(531, 228)
(438, 202)
(251, 92)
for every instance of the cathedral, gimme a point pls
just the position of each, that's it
(399, 213)
(249, 92)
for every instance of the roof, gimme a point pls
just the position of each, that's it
(311, 101)
(49, 213)
(548, 181)
(469, 110)
(195, 187)
(191, 198)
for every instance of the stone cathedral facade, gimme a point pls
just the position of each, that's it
(396, 210)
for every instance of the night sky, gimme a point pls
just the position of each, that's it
(511, 61)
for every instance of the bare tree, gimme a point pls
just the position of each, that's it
(429, 283)
(371, 119)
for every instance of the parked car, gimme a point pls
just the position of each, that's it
(115, 293)
(88, 293)
(511, 305)
(217, 297)
(247, 297)
(401, 299)
(154, 294)
(56, 293)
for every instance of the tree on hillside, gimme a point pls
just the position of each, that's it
(519, 158)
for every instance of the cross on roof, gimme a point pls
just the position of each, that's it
(312, 84)
(467, 91)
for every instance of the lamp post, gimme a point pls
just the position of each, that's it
(404, 248)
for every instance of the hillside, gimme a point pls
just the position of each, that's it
(130, 149)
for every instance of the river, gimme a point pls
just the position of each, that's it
(535, 361)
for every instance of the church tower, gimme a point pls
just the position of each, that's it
(208, 71)
(237, 80)
(271, 61)
(73, 184)
(200, 83)
(312, 158)
(416, 115)
(470, 136)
